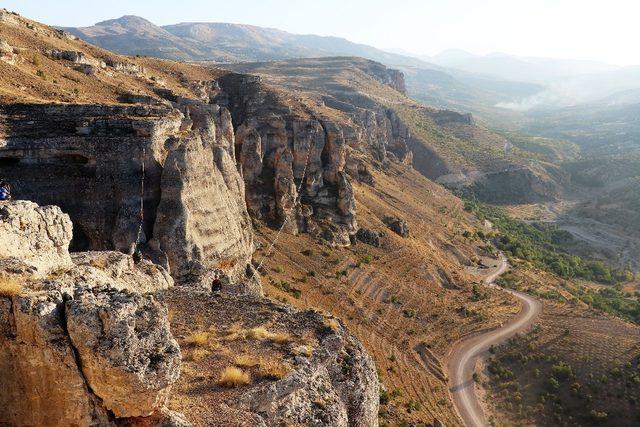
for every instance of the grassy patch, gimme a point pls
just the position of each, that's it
(9, 286)
(233, 377)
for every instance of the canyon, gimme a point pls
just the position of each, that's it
(294, 241)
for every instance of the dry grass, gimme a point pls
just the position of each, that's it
(273, 369)
(233, 377)
(246, 361)
(259, 333)
(100, 263)
(9, 286)
(266, 368)
(332, 324)
(303, 350)
(198, 339)
(197, 354)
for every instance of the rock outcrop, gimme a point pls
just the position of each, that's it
(178, 197)
(293, 165)
(369, 237)
(397, 225)
(90, 343)
(330, 381)
(338, 386)
(34, 239)
(84, 343)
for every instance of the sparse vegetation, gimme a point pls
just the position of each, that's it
(272, 369)
(544, 245)
(332, 324)
(265, 367)
(233, 377)
(9, 286)
(198, 339)
(261, 333)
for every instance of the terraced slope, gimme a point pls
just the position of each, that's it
(407, 301)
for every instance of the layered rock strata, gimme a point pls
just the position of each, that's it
(161, 180)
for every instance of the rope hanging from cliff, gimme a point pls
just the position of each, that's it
(296, 200)
(143, 176)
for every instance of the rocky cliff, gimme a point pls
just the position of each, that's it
(299, 154)
(144, 178)
(83, 338)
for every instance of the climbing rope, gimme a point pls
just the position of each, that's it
(143, 175)
(284, 223)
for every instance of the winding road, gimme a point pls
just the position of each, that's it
(465, 354)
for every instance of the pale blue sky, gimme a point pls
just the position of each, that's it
(575, 29)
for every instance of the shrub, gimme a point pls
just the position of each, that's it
(233, 377)
(552, 384)
(260, 333)
(246, 361)
(9, 286)
(412, 405)
(197, 354)
(409, 313)
(332, 324)
(272, 369)
(197, 339)
(366, 259)
(396, 393)
(598, 416)
(561, 371)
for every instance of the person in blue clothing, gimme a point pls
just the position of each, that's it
(5, 190)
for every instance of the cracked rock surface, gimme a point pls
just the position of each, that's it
(80, 344)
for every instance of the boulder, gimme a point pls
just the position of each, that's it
(397, 225)
(338, 386)
(125, 347)
(83, 343)
(370, 237)
(37, 236)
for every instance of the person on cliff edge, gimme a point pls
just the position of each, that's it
(5, 190)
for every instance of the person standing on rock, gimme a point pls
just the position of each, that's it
(5, 190)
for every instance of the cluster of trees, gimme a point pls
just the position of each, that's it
(611, 300)
(545, 246)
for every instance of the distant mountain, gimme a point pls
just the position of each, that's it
(223, 42)
(133, 35)
(511, 67)
(230, 43)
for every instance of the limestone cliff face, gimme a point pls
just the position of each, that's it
(161, 178)
(293, 165)
(298, 162)
(89, 342)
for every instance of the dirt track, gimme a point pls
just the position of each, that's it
(463, 358)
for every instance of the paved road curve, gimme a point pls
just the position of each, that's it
(465, 354)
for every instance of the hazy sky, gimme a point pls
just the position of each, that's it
(576, 29)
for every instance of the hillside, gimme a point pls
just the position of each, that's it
(112, 132)
(222, 42)
(445, 146)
